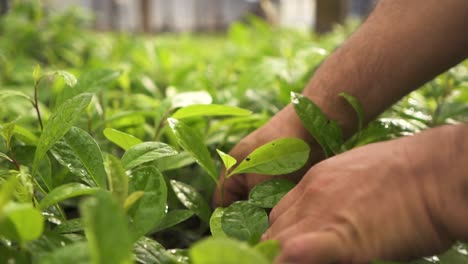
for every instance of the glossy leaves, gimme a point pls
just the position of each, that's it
(226, 251)
(277, 157)
(173, 218)
(117, 178)
(59, 123)
(146, 152)
(148, 211)
(64, 192)
(244, 221)
(357, 106)
(326, 133)
(216, 224)
(267, 194)
(227, 159)
(191, 199)
(80, 153)
(120, 138)
(4, 94)
(106, 229)
(21, 222)
(205, 110)
(192, 141)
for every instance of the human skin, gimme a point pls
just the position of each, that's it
(394, 200)
(402, 45)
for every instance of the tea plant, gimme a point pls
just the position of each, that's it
(118, 165)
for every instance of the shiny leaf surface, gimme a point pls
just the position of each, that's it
(244, 221)
(191, 199)
(148, 211)
(277, 157)
(146, 152)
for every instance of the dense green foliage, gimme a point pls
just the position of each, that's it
(118, 164)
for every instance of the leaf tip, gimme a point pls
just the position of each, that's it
(295, 98)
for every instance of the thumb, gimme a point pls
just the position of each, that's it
(313, 248)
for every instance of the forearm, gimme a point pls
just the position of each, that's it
(401, 46)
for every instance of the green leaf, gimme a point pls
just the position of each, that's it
(70, 226)
(25, 189)
(9, 93)
(191, 199)
(244, 221)
(7, 190)
(226, 251)
(21, 222)
(209, 110)
(267, 194)
(64, 192)
(333, 137)
(132, 199)
(58, 125)
(150, 209)
(215, 223)
(227, 159)
(120, 138)
(118, 180)
(93, 80)
(76, 253)
(37, 73)
(5, 156)
(357, 106)
(78, 152)
(270, 249)
(173, 218)
(25, 135)
(146, 152)
(174, 162)
(11, 255)
(277, 157)
(192, 142)
(7, 132)
(106, 229)
(313, 118)
(69, 78)
(149, 251)
(46, 244)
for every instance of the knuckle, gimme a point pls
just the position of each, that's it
(348, 236)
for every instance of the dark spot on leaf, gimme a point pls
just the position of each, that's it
(247, 159)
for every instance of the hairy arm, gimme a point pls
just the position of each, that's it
(402, 45)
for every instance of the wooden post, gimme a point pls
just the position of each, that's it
(145, 11)
(3, 6)
(114, 15)
(329, 13)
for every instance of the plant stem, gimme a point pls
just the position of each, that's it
(36, 105)
(161, 124)
(14, 160)
(222, 192)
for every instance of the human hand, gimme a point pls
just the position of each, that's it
(283, 124)
(395, 200)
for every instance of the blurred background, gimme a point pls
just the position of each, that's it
(211, 15)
